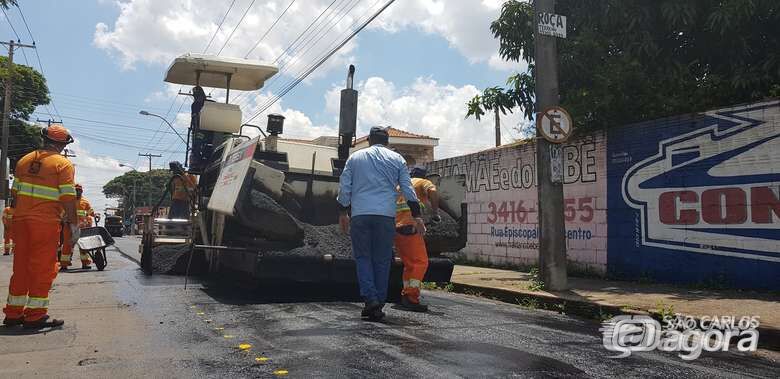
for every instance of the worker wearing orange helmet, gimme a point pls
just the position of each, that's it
(43, 188)
(8, 241)
(85, 216)
(409, 241)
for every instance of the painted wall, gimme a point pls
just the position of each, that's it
(689, 199)
(501, 193)
(695, 198)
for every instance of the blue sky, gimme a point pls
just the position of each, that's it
(100, 80)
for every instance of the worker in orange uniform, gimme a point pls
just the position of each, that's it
(180, 198)
(8, 216)
(85, 216)
(43, 188)
(409, 242)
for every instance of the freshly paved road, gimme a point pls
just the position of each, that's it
(202, 327)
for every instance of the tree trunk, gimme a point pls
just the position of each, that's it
(498, 129)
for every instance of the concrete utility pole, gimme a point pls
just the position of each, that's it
(150, 156)
(9, 81)
(552, 242)
(498, 128)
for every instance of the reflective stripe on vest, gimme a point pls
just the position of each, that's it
(36, 191)
(414, 283)
(17, 301)
(38, 302)
(81, 213)
(404, 207)
(68, 189)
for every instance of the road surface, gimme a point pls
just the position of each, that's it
(210, 330)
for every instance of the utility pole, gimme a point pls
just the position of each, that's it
(552, 242)
(498, 127)
(9, 80)
(150, 156)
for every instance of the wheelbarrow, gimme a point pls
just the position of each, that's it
(94, 241)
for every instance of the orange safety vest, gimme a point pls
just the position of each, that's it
(403, 215)
(43, 180)
(179, 187)
(85, 213)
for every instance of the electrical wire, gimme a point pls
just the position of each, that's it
(37, 55)
(219, 27)
(269, 29)
(321, 61)
(236, 27)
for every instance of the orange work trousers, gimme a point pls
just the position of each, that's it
(411, 250)
(8, 242)
(66, 255)
(34, 269)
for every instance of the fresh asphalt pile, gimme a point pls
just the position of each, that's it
(268, 227)
(170, 259)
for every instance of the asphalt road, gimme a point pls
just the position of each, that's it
(122, 323)
(464, 336)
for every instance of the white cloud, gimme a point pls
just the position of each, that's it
(429, 108)
(153, 31)
(296, 123)
(93, 172)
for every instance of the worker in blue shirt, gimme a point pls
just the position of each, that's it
(367, 195)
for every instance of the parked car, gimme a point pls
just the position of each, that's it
(114, 226)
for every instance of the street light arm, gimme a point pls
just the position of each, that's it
(145, 113)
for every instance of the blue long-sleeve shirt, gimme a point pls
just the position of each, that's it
(370, 179)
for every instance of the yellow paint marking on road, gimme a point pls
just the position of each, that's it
(201, 313)
(229, 336)
(244, 346)
(207, 321)
(261, 359)
(219, 328)
(281, 372)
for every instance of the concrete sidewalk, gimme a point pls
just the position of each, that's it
(598, 297)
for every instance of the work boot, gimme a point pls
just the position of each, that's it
(63, 268)
(13, 321)
(408, 305)
(86, 267)
(372, 311)
(44, 322)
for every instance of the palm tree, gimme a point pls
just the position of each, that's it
(503, 100)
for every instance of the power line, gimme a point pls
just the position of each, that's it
(37, 55)
(235, 28)
(219, 27)
(269, 29)
(321, 61)
(307, 44)
(295, 41)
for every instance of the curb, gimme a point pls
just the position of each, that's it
(769, 337)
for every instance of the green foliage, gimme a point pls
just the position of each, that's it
(625, 61)
(536, 282)
(29, 91)
(143, 184)
(8, 3)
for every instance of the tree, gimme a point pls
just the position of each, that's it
(8, 3)
(497, 99)
(625, 61)
(134, 188)
(29, 91)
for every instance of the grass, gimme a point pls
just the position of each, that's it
(433, 286)
(537, 284)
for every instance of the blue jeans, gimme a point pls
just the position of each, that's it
(372, 247)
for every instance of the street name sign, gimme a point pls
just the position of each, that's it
(551, 24)
(555, 124)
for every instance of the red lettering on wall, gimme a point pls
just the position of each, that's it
(763, 203)
(667, 203)
(724, 206)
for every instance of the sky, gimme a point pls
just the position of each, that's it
(417, 64)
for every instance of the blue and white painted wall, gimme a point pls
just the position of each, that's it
(687, 199)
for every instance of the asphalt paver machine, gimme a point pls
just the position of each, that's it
(266, 206)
